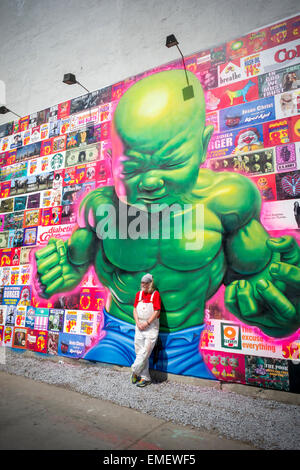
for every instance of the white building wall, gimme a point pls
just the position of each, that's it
(105, 41)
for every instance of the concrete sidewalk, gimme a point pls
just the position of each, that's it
(36, 415)
(216, 414)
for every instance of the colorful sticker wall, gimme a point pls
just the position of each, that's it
(60, 164)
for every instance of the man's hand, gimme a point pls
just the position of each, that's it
(55, 273)
(142, 325)
(271, 300)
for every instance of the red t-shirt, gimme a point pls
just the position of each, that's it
(146, 296)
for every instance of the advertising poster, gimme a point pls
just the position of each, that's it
(288, 185)
(5, 276)
(41, 341)
(29, 151)
(270, 59)
(229, 72)
(8, 336)
(7, 205)
(2, 219)
(31, 339)
(228, 367)
(24, 276)
(279, 81)
(63, 110)
(53, 342)
(286, 158)
(4, 239)
(44, 131)
(43, 116)
(92, 298)
(35, 134)
(30, 236)
(252, 163)
(287, 104)
(51, 216)
(6, 257)
(41, 319)
(46, 147)
(45, 233)
(11, 295)
(56, 320)
(295, 128)
(15, 256)
(20, 203)
(19, 338)
(1, 335)
(88, 323)
(285, 214)
(65, 126)
(247, 114)
(30, 317)
(232, 95)
(3, 309)
(236, 141)
(20, 316)
(266, 185)
(226, 336)
(24, 255)
(68, 214)
(72, 321)
(31, 218)
(276, 132)
(56, 160)
(267, 372)
(71, 345)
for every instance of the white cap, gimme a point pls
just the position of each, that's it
(147, 278)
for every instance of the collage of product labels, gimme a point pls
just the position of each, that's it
(50, 160)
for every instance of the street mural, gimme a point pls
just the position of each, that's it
(203, 193)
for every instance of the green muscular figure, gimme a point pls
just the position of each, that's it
(159, 143)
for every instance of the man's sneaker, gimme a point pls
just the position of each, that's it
(143, 383)
(134, 378)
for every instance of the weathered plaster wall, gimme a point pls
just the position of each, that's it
(105, 41)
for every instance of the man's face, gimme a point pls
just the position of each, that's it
(145, 286)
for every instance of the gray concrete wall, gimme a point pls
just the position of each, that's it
(105, 41)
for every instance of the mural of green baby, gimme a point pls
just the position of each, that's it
(159, 143)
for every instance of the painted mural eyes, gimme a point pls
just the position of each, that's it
(130, 169)
(173, 165)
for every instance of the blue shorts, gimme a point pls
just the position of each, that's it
(177, 353)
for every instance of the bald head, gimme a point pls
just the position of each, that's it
(152, 111)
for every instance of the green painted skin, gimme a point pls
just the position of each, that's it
(165, 140)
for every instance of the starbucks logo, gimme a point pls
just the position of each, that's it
(56, 161)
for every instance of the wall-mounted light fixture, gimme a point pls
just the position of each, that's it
(5, 110)
(70, 79)
(188, 91)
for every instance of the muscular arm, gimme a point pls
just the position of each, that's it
(255, 293)
(247, 252)
(61, 265)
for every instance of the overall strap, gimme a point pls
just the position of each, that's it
(140, 297)
(151, 299)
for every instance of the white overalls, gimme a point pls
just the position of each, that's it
(144, 341)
